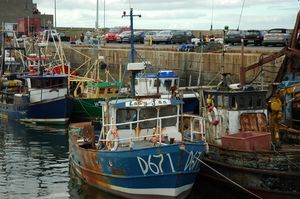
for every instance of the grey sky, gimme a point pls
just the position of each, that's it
(176, 14)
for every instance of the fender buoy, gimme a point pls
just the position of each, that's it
(213, 115)
(112, 140)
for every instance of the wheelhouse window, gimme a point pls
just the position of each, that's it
(250, 102)
(148, 113)
(226, 102)
(168, 111)
(176, 82)
(259, 102)
(126, 115)
(242, 103)
(168, 84)
(220, 100)
(156, 84)
(48, 83)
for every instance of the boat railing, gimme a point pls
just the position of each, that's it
(195, 131)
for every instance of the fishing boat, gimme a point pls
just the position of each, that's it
(139, 148)
(241, 146)
(31, 92)
(85, 104)
(252, 140)
(38, 99)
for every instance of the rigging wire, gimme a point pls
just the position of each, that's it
(238, 28)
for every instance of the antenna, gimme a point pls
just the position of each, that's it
(212, 15)
(238, 28)
(131, 15)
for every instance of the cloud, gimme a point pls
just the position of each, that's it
(168, 14)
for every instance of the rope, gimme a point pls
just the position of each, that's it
(274, 149)
(236, 184)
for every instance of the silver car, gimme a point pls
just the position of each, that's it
(124, 37)
(277, 36)
(150, 34)
(163, 36)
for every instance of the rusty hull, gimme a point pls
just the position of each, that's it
(270, 174)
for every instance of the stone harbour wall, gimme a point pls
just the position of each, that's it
(188, 65)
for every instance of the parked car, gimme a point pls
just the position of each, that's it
(138, 36)
(163, 36)
(255, 37)
(150, 34)
(234, 37)
(124, 37)
(182, 37)
(113, 33)
(277, 36)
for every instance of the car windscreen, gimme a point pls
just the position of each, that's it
(233, 33)
(179, 33)
(277, 31)
(252, 32)
(165, 33)
(115, 30)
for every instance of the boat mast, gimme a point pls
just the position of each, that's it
(97, 15)
(131, 15)
(55, 13)
(2, 49)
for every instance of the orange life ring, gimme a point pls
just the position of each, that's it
(213, 115)
(112, 140)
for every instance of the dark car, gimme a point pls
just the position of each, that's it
(234, 37)
(138, 36)
(255, 37)
(182, 37)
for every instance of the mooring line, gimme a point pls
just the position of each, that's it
(287, 159)
(236, 184)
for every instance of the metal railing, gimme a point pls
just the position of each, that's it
(158, 129)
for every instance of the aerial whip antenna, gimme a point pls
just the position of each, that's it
(212, 15)
(238, 28)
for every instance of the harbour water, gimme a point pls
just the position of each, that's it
(34, 164)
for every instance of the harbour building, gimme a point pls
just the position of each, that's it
(23, 17)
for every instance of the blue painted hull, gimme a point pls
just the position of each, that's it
(55, 111)
(166, 171)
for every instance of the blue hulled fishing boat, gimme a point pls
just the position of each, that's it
(140, 150)
(143, 147)
(38, 99)
(32, 89)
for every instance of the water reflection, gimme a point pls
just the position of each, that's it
(34, 163)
